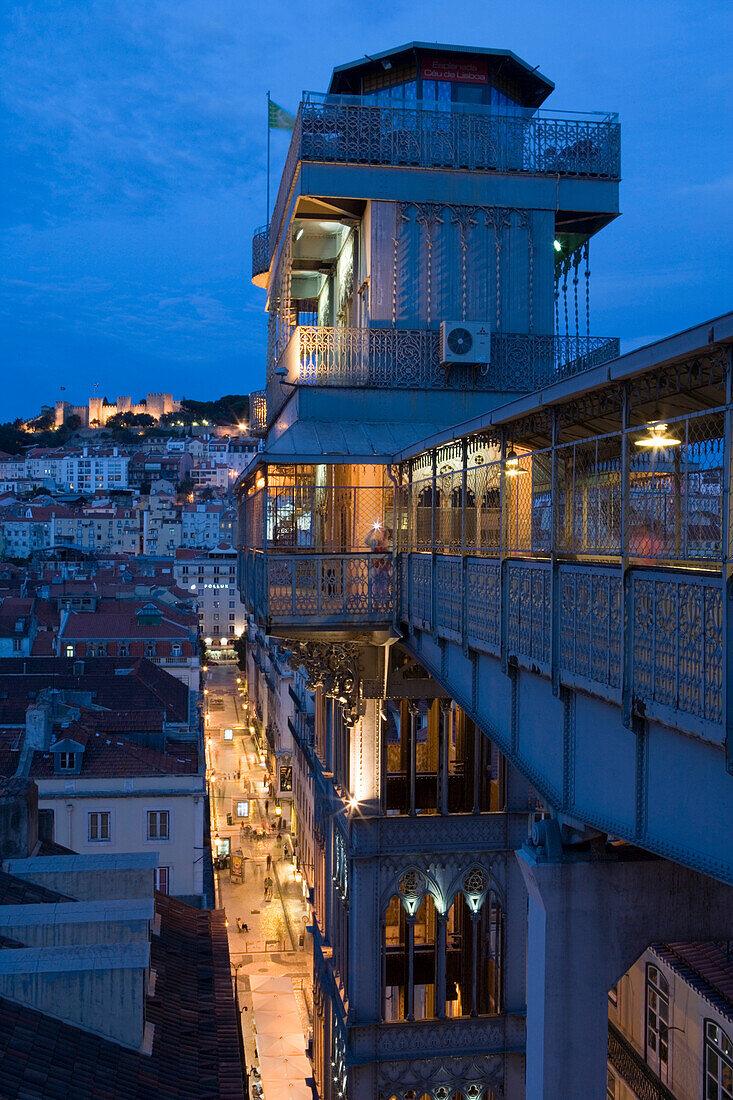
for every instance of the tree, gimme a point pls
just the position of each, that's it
(73, 421)
(186, 486)
(43, 422)
(240, 648)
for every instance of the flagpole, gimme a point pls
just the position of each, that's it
(268, 160)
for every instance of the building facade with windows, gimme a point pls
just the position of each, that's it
(671, 1025)
(210, 579)
(109, 792)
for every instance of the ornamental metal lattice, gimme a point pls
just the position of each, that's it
(412, 885)
(475, 883)
(260, 250)
(410, 359)
(477, 142)
(257, 411)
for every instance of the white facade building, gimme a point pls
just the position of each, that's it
(210, 578)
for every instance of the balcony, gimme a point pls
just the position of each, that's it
(410, 359)
(294, 592)
(260, 255)
(344, 130)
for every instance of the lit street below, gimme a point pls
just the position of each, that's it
(266, 913)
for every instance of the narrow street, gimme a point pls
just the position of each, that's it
(267, 937)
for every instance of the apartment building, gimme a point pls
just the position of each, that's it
(212, 474)
(671, 1025)
(118, 786)
(210, 578)
(201, 524)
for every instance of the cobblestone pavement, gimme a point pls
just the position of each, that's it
(270, 958)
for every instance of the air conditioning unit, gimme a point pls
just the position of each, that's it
(465, 342)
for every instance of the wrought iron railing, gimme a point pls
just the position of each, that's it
(410, 359)
(475, 141)
(260, 250)
(257, 411)
(345, 588)
(664, 627)
(625, 1060)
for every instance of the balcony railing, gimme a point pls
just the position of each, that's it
(410, 359)
(260, 250)
(319, 589)
(637, 1074)
(663, 627)
(353, 133)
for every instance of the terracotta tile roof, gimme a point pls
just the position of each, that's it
(16, 891)
(14, 610)
(116, 683)
(707, 967)
(120, 623)
(51, 848)
(195, 1044)
(112, 754)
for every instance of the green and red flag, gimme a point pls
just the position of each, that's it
(278, 118)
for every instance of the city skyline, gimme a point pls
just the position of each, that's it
(138, 139)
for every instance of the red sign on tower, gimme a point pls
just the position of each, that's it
(450, 68)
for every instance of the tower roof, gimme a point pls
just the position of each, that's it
(533, 86)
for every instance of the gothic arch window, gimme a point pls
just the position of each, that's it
(474, 948)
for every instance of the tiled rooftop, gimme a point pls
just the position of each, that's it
(195, 1049)
(110, 755)
(707, 967)
(18, 891)
(116, 683)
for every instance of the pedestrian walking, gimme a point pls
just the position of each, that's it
(269, 861)
(267, 807)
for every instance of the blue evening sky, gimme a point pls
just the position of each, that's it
(134, 169)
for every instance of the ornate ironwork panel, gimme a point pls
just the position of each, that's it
(352, 587)
(528, 611)
(483, 604)
(410, 359)
(421, 591)
(629, 1064)
(449, 582)
(404, 590)
(261, 250)
(352, 133)
(678, 644)
(590, 624)
(257, 411)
